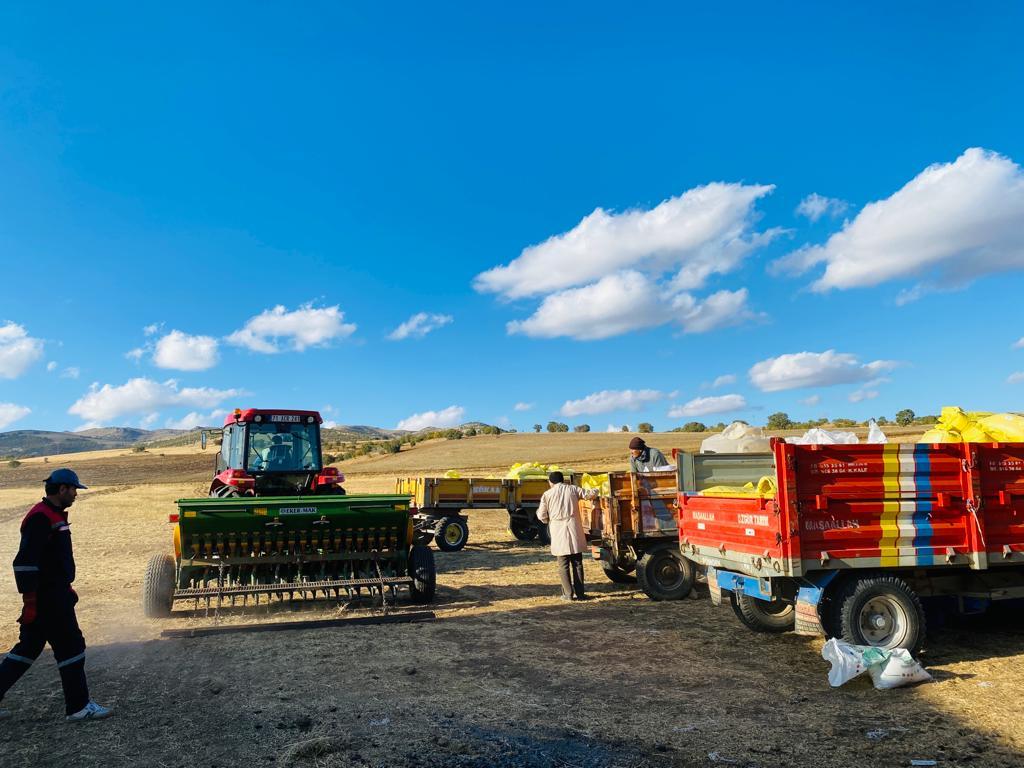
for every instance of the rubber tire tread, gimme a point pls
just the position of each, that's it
(543, 533)
(616, 574)
(853, 592)
(522, 531)
(748, 612)
(440, 540)
(424, 574)
(158, 587)
(645, 570)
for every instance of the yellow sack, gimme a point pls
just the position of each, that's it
(530, 469)
(974, 433)
(452, 474)
(954, 418)
(1004, 427)
(765, 489)
(599, 483)
(939, 435)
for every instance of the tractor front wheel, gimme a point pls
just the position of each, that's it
(158, 587)
(452, 534)
(424, 574)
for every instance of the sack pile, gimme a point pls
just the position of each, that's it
(737, 438)
(958, 426)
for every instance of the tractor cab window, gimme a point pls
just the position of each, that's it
(288, 447)
(232, 447)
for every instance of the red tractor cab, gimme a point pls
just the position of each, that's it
(273, 453)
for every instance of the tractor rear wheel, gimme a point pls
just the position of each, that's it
(763, 616)
(664, 574)
(522, 530)
(452, 534)
(158, 587)
(424, 574)
(882, 611)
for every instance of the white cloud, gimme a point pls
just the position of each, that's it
(135, 354)
(952, 223)
(451, 416)
(704, 231)
(195, 419)
(719, 310)
(182, 352)
(863, 394)
(10, 413)
(522, 406)
(814, 206)
(723, 380)
(615, 304)
(101, 405)
(1019, 343)
(621, 272)
(1015, 378)
(51, 366)
(18, 350)
(328, 424)
(71, 372)
(307, 326)
(148, 421)
(613, 428)
(811, 401)
(611, 400)
(812, 369)
(419, 325)
(702, 406)
(152, 329)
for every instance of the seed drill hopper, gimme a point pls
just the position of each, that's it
(245, 546)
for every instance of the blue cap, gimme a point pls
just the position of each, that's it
(64, 477)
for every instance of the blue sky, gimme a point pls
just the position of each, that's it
(596, 208)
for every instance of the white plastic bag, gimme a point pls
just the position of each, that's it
(875, 433)
(847, 661)
(888, 669)
(899, 669)
(737, 438)
(819, 436)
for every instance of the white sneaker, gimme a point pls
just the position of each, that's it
(91, 711)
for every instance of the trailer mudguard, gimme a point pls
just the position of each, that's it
(808, 603)
(730, 581)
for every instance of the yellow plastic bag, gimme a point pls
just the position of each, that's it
(939, 435)
(452, 474)
(530, 469)
(974, 433)
(1004, 427)
(765, 489)
(599, 483)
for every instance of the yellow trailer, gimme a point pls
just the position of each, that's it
(438, 502)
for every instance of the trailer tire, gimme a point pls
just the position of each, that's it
(619, 574)
(522, 531)
(424, 574)
(773, 617)
(664, 574)
(882, 611)
(452, 534)
(158, 587)
(543, 532)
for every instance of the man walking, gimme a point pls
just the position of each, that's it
(44, 570)
(560, 509)
(643, 458)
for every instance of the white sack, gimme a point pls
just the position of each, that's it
(737, 438)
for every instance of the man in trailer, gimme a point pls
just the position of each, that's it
(644, 458)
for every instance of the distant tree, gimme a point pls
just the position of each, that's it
(537, 427)
(844, 423)
(904, 418)
(644, 426)
(719, 426)
(581, 428)
(624, 428)
(693, 426)
(779, 420)
(14, 463)
(471, 432)
(926, 419)
(453, 434)
(881, 421)
(557, 426)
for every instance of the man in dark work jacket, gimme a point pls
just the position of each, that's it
(44, 569)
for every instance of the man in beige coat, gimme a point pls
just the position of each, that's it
(560, 509)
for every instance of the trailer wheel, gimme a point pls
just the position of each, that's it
(158, 587)
(543, 532)
(619, 573)
(424, 574)
(523, 531)
(452, 534)
(882, 611)
(664, 574)
(762, 616)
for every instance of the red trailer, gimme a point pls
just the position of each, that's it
(857, 535)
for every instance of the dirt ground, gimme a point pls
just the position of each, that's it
(507, 675)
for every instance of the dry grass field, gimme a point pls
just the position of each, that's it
(506, 676)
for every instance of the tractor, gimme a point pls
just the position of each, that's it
(277, 524)
(273, 453)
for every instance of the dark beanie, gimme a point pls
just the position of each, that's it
(556, 477)
(637, 444)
